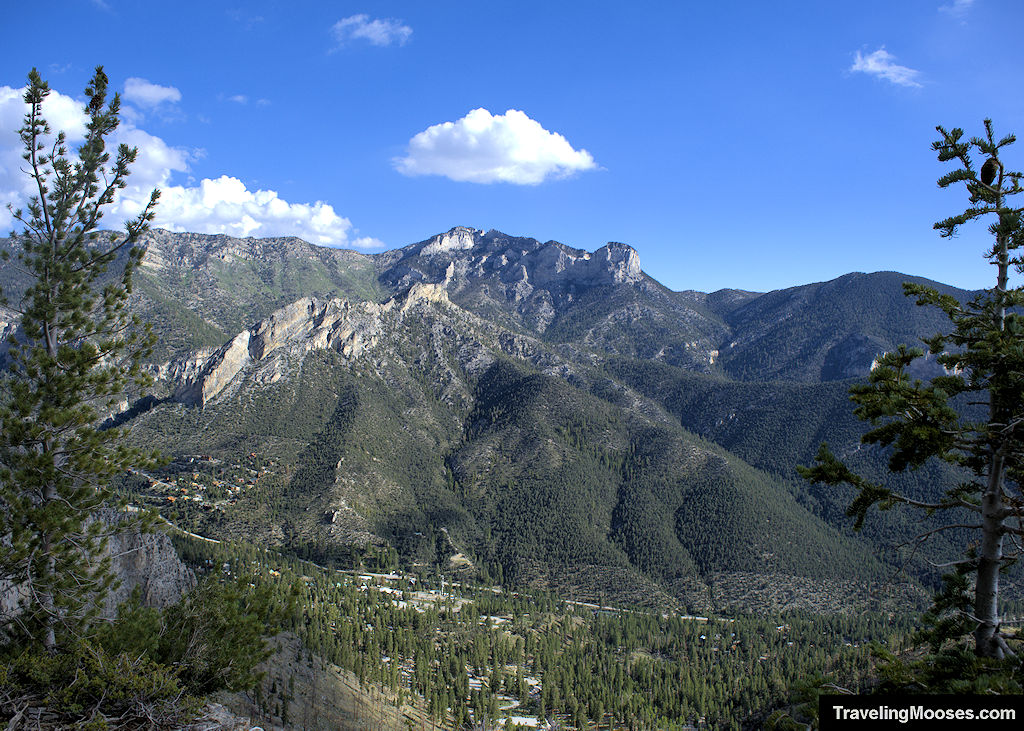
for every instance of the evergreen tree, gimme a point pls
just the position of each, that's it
(983, 354)
(75, 352)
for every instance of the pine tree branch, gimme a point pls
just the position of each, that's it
(922, 537)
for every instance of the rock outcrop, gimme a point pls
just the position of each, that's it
(308, 324)
(531, 282)
(149, 562)
(146, 561)
(517, 265)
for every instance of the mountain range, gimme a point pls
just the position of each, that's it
(533, 413)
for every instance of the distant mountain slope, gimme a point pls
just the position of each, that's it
(776, 426)
(600, 300)
(444, 433)
(201, 289)
(537, 413)
(826, 331)
(603, 301)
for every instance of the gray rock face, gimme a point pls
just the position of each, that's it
(202, 376)
(459, 238)
(493, 272)
(308, 324)
(144, 560)
(513, 265)
(147, 561)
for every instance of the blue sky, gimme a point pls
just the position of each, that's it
(752, 145)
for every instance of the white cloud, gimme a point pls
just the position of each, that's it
(226, 206)
(243, 99)
(486, 148)
(882, 64)
(62, 112)
(223, 205)
(367, 242)
(957, 8)
(143, 93)
(379, 32)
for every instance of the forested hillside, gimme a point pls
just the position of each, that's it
(519, 417)
(523, 412)
(390, 651)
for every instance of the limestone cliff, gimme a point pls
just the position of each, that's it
(147, 561)
(308, 324)
(144, 560)
(514, 267)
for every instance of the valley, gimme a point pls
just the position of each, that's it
(395, 650)
(510, 367)
(516, 481)
(554, 417)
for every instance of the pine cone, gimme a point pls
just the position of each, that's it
(989, 171)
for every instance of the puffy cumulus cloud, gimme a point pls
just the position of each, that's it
(882, 64)
(154, 166)
(367, 242)
(156, 161)
(145, 94)
(10, 157)
(223, 205)
(62, 112)
(379, 32)
(486, 148)
(226, 206)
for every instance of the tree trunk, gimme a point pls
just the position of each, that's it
(987, 642)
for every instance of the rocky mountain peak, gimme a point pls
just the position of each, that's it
(459, 238)
(621, 261)
(493, 271)
(462, 255)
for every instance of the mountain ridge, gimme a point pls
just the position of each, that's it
(498, 399)
(565, 294)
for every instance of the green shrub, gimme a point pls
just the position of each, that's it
(84, 686)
